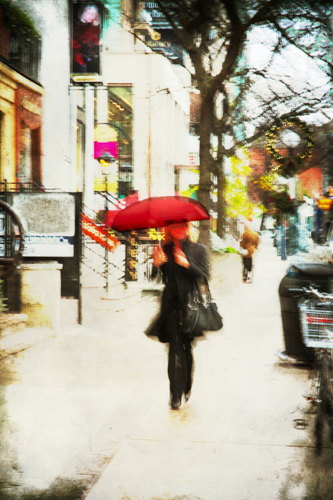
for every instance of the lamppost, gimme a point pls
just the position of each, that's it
(125, 179)
(291, 140)
(105, 159)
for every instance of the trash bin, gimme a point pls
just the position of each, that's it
(300, 275)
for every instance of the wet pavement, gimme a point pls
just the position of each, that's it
(85, 412)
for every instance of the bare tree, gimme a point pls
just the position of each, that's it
(214, 35)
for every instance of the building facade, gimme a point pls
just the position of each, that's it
(20, 106)
(105, 89)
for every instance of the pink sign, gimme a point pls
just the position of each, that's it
(101, 147)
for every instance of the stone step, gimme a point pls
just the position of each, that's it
(16, 337)
(12, 323)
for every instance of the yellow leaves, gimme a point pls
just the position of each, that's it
(266, 182)
(236, 194)
(239, 167)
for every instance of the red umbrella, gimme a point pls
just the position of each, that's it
(159, 212)
(124, 202)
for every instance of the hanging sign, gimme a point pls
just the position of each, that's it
(132, 257)
(98, 234)
(325, 203)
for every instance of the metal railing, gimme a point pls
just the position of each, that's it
(104, 268)
(24, 187)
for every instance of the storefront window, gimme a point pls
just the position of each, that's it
(1, 146)
(79, 154)
(121, 118)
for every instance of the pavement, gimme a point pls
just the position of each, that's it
(88, 406)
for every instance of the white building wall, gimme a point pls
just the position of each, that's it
(160, 102)
(51, 19)
(161, 117)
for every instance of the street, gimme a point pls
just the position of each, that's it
(89, 406)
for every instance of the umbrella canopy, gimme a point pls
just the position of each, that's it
(159, 212)
(123, 203)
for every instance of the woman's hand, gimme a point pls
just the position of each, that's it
(159, 257)
(180, 258)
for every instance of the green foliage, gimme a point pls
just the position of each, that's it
(110, 6)
(229, 250)
(280, 203)
(19, 21)
(289, 166)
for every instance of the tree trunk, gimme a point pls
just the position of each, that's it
(221, 203)
(221, 188)
(205, 171)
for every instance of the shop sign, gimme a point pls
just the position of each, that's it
(87, 78)
(48, 220)
(325, 203)
(48, 246)
(132, 257)
(98, 234)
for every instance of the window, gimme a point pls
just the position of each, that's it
(29, 169)
(36, 176)
(24, 172)
(86, 33)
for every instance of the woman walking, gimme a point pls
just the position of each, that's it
(181, 262)
(248, 245)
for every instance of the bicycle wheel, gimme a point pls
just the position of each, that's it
(330, 396)
(322, 402)
(11, 240)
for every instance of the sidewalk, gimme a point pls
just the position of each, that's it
(235, 438)
(91, 403)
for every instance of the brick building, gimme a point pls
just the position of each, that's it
(310, 176)
(20, 105)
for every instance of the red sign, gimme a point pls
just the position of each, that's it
(98, 234)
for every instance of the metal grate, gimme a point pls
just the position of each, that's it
(317, 324)
(25, 55)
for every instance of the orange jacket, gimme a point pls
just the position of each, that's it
(250, 241)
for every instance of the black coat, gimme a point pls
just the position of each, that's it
(178, 282)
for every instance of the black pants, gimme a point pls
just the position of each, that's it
(180, 362)
(247, 264)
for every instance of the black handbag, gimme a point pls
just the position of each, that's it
(200, 312)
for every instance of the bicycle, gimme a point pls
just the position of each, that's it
(316, 314)
(11, 240)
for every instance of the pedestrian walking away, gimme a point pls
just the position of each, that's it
(248, 245)
(181, 262)
(283, 239)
